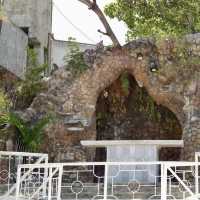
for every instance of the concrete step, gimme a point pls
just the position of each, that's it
(99, 198)
(75, 129)
(11, 198)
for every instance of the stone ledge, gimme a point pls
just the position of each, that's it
(105, 143)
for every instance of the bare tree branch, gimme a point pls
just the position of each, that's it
(95, 8)
(102, 32)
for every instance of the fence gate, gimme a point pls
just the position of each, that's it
(9, 162)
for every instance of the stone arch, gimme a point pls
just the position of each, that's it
(77, 102)
(106, 69)
(127, 112)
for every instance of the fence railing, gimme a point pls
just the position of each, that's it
(9, 162)
(108, 180)
(185, 177)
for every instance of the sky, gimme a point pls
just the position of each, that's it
(85, 20)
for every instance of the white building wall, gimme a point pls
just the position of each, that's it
(59, 49)
(34, 14)
(13, 48)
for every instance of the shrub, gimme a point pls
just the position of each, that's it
(31, 85)
(31, 136)
(4, 102)
(74, 58)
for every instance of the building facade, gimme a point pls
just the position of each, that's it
(28, 23)
(34, 17)
(13, 48)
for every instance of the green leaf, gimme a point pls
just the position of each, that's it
(156, 17)
(74, 58)
(31, 136)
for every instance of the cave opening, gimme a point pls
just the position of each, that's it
(125, 111)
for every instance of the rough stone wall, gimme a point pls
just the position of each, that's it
(74, 104)
(191, 131)
(7, 80)
(13, 48)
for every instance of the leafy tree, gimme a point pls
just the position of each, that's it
(74, 58)
(31, 136)
(32, 84)
(4, 102)
(156, 17)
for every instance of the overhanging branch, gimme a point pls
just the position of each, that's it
(95, 8)
(102, 32)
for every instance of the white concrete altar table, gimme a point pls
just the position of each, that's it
(133, 151)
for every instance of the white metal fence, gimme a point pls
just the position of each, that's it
(185, 177)
(117, 180)
(9, 162)
(35, 179)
